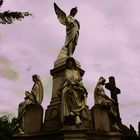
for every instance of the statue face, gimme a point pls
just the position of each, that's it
(102, 80)
(35, 78)
(70, 65)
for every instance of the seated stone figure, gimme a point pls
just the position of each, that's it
(102, 100)
(72, 92)
(35, 97)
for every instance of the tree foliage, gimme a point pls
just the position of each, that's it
(8, 17)
(8, 128)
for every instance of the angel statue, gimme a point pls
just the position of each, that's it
(72, 31)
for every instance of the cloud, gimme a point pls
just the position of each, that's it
(7, 70)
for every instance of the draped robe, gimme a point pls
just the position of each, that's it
(73, 94)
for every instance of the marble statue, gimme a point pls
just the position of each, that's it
(101, 99)
(72, 30)
(33, 97)
(72, 92)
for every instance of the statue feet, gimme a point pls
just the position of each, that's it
(71, 114)
(21, 131)
(115, 127)
(77, 120)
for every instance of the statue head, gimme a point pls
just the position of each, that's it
(73, 11)
(35, 78)
(102, 80)
(70, 63)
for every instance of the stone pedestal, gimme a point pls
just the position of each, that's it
(52, 115)
(32, 119)
(71, 134)
(101, 119)
(93, 135)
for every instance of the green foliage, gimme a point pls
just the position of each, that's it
(9, 17)
(8, 128)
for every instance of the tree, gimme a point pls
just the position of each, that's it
(8, 128)
(8, 17)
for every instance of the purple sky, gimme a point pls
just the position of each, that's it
(108, 45)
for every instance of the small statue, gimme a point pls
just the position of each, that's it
(33, 97)
(72, 92)
(101, 99)
(72, 30)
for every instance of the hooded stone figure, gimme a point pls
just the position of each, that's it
(102, 100)
(100, 97)
(33, 97)
(72, 92)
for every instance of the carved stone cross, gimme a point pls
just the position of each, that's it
(114, 91)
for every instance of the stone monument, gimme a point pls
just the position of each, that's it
(68, 103)
(30, 112)
(104, 111)
(68, 117)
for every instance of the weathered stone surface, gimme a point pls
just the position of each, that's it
(92, 135)
(32, 119)
(101, 119)
(71, 133)
(62, 61)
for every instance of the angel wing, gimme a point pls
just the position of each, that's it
(1, 2)
(60, 14)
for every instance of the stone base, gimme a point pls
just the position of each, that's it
(100, 119)
(32, 119)
(92, 135)
(70, 134)
(53, 118)
(62, 61)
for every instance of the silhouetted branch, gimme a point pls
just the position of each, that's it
(8, 17)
